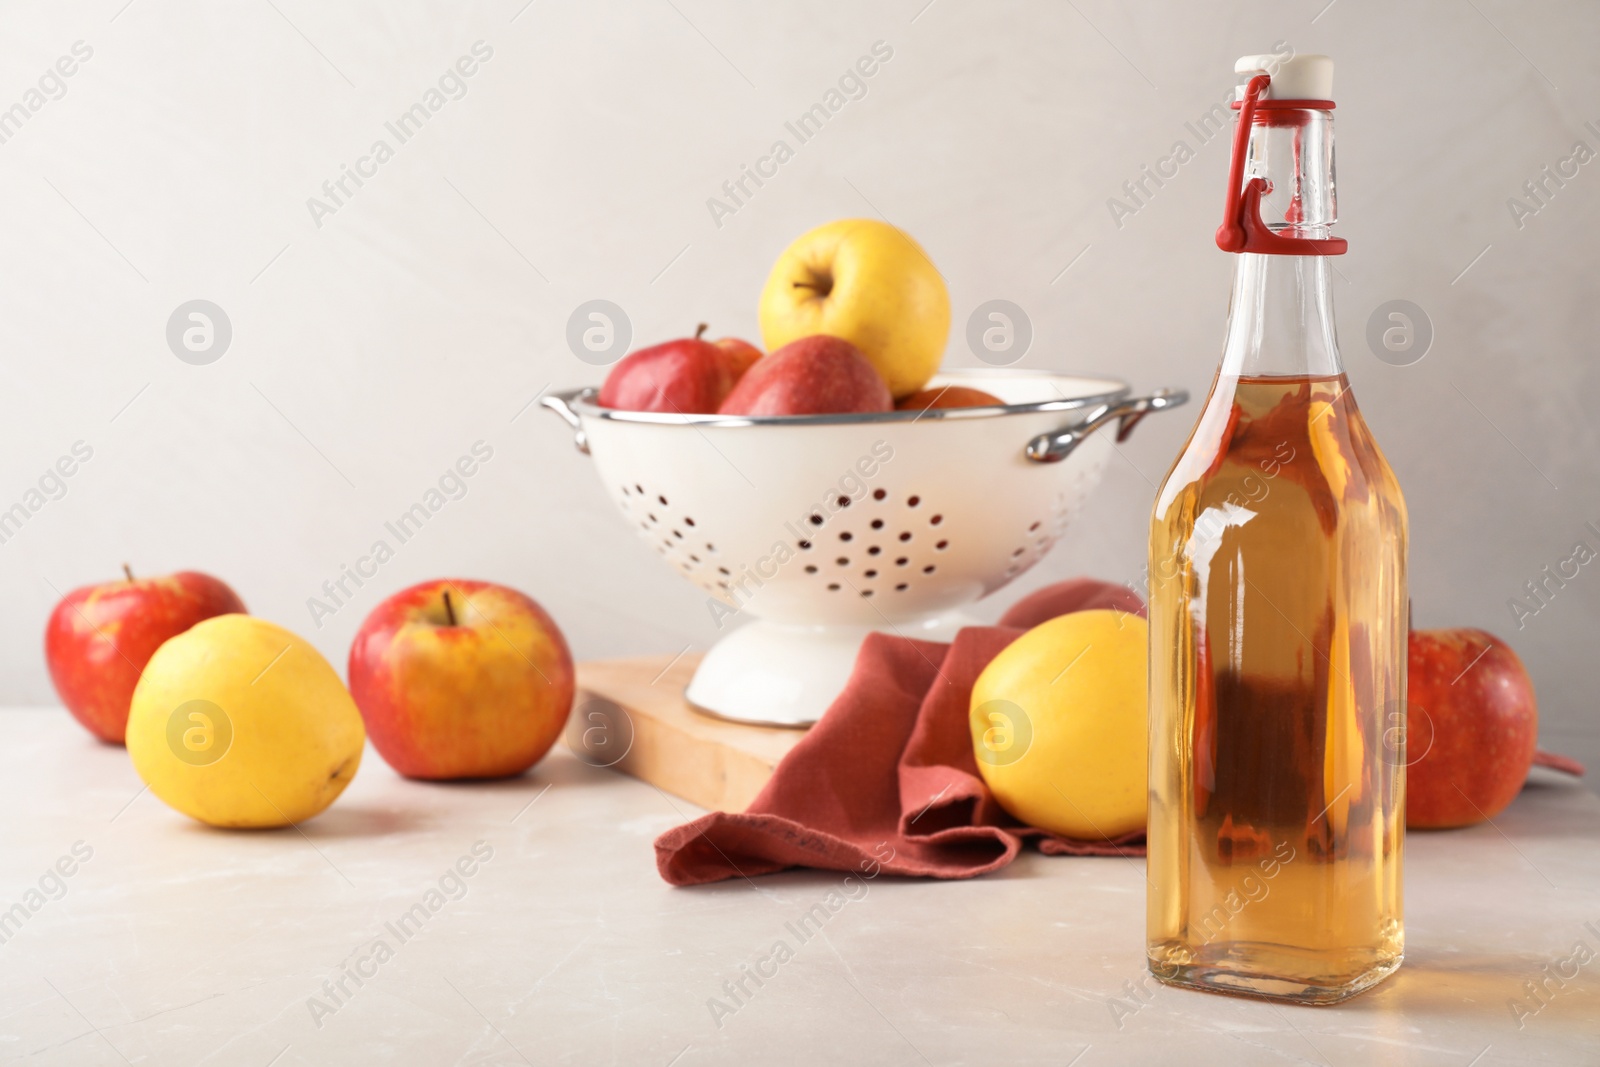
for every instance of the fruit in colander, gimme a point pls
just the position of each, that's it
(868, 283)
(947, 396)
(741, 355)
(690, 376)
(817, 375)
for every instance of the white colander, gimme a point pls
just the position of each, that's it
(807, 533)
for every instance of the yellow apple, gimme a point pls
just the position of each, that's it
(869, 283)
(1059, 725)
(240, 723)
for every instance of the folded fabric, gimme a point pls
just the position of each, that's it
(1557, 762)
(886, 782)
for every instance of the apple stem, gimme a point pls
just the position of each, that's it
(128, 571)
(449, 608)
(699, 330)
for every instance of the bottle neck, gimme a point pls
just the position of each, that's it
(1280, 319)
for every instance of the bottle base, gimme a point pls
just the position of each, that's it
(1270, 972)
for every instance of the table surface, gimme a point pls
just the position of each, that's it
(173, 943)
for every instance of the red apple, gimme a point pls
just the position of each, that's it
(947, 396)
(461, 679)
(100, 637)
(816, 375)
(688, 376)
(1472, 724)
(741, 355)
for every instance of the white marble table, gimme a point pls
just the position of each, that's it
(175, 944)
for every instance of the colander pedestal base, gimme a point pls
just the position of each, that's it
(780, 674)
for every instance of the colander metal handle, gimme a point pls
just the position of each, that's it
(561, 404)
(1055, 447)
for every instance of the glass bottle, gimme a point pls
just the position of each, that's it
(1278, 613)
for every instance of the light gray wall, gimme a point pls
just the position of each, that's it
(372, 351)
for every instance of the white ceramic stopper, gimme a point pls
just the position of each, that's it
(1296, 77)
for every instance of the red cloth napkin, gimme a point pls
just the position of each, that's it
(886, 781)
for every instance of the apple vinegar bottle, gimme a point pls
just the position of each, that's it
(1278, 612)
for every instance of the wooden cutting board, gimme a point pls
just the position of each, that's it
(630, 714)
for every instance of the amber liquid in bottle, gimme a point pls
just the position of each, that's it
(1278, 653)
(1275, 788)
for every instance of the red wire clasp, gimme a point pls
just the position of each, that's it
(1242, 229)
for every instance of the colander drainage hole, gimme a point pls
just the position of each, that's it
(843, 561)
(942, 545)
(929, 569)
(865, 593)
(879, 494)
(874, 550)
(833, 587)
(1017, 553)
(846, 536)
(845, 501)
(877, 524)
(811, 568)
(687, 521)
(816, 520)
(901, 588)
(901, 562)
(639, 489)
(663, 500)
(725, 571)
(804, 544)
(871, 574)
(936, 520)
(906, 536)
(1032, 528)
(678, 534)
(913, 501)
